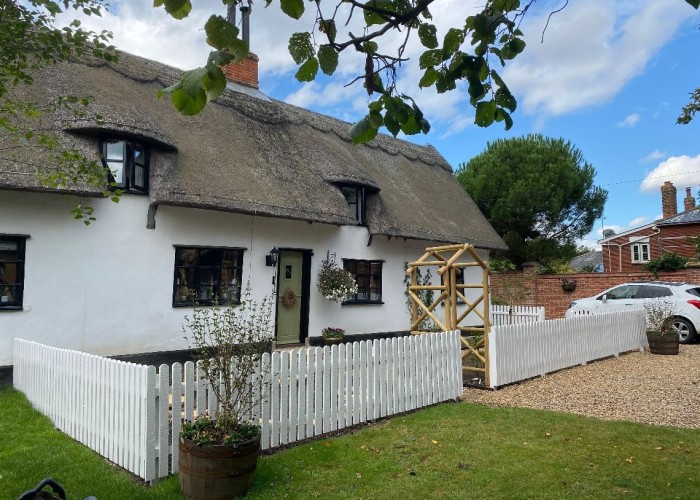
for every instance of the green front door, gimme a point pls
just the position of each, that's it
(289, 297)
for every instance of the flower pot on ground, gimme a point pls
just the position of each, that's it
(219, 452)
(661, 336)
(333, 335)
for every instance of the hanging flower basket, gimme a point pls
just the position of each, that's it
(289, 298)
(568, 285)
(334, 283)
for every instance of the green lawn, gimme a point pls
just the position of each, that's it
(447, 451)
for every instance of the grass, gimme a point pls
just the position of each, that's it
(447, 451)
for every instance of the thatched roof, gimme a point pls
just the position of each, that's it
(256, 156)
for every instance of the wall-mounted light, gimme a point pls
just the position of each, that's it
(272, 258)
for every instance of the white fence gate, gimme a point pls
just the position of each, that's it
(518, 352)
(506, 315)
(131, 414)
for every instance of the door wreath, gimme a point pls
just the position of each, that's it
(289, 298)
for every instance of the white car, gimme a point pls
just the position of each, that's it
(684, 297)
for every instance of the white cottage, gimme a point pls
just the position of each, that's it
(207, 200)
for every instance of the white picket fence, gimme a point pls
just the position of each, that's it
(126, 413)
(518, 352)
(506, 315)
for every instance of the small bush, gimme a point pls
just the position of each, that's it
(669, 261)
(556, 267)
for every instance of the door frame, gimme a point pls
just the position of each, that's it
(305, 290)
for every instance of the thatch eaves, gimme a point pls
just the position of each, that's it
(256, 156)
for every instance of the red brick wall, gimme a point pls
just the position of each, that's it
(244, 72)
(545, 290)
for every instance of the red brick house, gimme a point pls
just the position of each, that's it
(631, 250)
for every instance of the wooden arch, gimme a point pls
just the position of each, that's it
(449, 259)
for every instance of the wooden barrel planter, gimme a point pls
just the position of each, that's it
(662, 344)
(217, 472)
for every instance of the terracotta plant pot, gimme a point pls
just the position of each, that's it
(217, 472)
(662, 344)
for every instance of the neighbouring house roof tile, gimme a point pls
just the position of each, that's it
(689, 217)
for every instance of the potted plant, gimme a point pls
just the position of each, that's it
(219, 452)
(333, 335)
(334, 283)
(662, 337)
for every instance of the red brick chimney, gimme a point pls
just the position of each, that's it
(669, 202)
(688, 201)
(246, 71)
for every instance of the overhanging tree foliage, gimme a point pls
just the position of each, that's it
(538, 194)
(472, 51)
(29, 40)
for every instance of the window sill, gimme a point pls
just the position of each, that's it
(11, 308)
(361, 302)
(206, 304)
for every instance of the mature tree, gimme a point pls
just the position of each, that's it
(471, 52)
(29, 40)
(538, 194)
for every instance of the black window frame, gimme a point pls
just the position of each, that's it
(15, 289)
(350, 265)
(180, 290)
(129, 164)
(359, 203)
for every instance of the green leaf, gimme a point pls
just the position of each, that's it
(328, 59)
(453, 40)
(220, 33)
(188, 95)
(179, 9)
(327, 26)
(293, 8)
(430, 58)
(694, 3)
(502, 114)
(375, 119)
(372, 18)
(445, 84)
(363, 131)
(505, 98)
(392, 125)
(512, 48)
(218, 58)
(307, 71)
(429, 78)
(370, 47)
(428, 35)
(485, 113)
(300, 47)
(214, 83)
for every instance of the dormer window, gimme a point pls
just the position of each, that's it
(127, 162)
(355, 196)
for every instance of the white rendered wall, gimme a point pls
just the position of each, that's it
(107, 288)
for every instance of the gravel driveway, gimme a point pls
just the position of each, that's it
(643, 387)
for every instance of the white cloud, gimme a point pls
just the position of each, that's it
(590, 51)
(681, 170)
(638, 221)
(653, 156)
(630, 121)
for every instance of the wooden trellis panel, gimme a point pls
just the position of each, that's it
(448, 259)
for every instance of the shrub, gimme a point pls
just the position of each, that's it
(669, 261)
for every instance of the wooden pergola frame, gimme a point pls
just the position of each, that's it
(450, 292)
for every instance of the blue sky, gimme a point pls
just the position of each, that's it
(611, 77)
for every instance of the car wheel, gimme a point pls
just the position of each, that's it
(685, 330)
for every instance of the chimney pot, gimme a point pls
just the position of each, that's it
(689, 200)
(669, 202)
